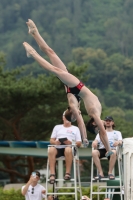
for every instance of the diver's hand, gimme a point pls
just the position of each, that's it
(85, 142)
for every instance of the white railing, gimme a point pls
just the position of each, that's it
(128, 168)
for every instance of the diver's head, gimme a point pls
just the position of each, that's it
(91, 126)
(69, 115)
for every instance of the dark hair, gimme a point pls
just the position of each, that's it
(90, 126)
(68, 115)
(113, 126)
(38, 173)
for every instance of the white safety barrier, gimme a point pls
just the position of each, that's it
(128, 168)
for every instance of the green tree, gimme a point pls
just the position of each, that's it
(29, 105)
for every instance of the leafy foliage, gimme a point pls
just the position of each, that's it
(67, 25)
(11, 194)
(30, 108)
(26, 104)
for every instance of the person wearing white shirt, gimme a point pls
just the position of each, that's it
(115, 139)
(70, 133)
(32, 190)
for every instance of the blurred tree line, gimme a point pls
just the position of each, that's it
(66, 25)
(92, 37)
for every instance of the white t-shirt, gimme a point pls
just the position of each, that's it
(37, 195)
(72, 133)
(112, 137)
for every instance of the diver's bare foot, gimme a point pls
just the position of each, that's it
(32, 27)
(29, 50)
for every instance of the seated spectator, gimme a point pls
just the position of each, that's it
(33, 190)
(115, 139)
(72, 133)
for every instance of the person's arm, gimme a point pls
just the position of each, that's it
(54, 137)
(119, 142)
(78, 137)
(78, 143)
(102, 132)
(94, 144)
(25, 188)
(80, 122)
(120, 139)
(43, 192)
(54, 141)
(73, 103)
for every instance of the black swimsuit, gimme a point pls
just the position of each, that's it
(75, 90)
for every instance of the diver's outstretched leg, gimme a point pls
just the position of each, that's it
(31, 52)
(65, 77)
(55, 60)
(32, 27)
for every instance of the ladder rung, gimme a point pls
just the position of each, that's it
(106, 192)
(59, 193)
(106, 179)
(109, 186)
(67, 187)
(63, 180)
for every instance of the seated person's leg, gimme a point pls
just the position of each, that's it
(112, 162)
(52, 152)
(97, 154)
(68, 160)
